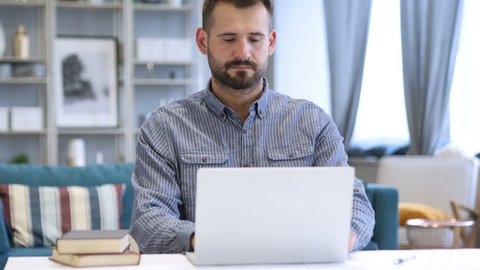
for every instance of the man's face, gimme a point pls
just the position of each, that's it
(238, 45)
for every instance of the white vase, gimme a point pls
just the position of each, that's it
(76, 153)
(2, 41)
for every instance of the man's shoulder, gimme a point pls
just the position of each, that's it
(189, 102)
(286, 101)
(183, 108)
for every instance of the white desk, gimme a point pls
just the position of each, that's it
(464, 259)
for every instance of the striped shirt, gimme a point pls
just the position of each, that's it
(200, 131)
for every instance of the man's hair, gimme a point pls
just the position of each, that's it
(209, 5)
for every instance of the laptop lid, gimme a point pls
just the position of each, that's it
(272, 215)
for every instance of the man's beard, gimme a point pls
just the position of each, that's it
(241, 80)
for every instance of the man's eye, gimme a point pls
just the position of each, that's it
(255, 39)
(229, 39)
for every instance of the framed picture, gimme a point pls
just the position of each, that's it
(85, 82)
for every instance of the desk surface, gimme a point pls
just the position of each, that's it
(464, 259)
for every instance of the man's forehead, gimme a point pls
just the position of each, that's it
(228, 18)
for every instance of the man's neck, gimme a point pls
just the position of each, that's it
(237, 100)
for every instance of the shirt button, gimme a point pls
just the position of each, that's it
(244, 132)
(204, 159)
(291, 155)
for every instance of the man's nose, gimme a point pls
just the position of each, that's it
(242, 49)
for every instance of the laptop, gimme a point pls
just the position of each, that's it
(272, 215)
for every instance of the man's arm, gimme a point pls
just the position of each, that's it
(363, 216)
(330, 152)
(156, 225)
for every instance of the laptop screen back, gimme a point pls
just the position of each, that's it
(272, 215)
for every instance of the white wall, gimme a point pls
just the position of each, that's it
(300, 66)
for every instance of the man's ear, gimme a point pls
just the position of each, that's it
(272, 40)
(201, 39)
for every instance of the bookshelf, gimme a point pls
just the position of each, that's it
(141, 86)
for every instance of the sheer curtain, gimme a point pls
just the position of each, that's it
(381, 118)
(346, 24)
(465, 95)
(430, 34)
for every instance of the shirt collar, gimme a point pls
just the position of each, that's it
(220, 109)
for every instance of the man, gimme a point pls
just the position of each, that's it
(236, 122)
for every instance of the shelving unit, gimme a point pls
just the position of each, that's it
(24, 3)
(11, 59)
(20, 83)
(106, 20)
(142, 86)
(19, 133)
(23, 81)
(161, 82)
(163, 7)
(87, 5)
(172, 79)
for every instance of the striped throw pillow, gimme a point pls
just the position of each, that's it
(39, 215)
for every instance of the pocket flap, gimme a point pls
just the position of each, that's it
(204, 158)
(291, 152)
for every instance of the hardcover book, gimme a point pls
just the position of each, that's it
(93, 241)
(86, 260)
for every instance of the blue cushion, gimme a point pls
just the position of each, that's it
(384, 200)
(30, 252)
(3, 260)
(90, 175)
(39, 215)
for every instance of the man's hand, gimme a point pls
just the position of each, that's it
(351, 240)
(192, 241)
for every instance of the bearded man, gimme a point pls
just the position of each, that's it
(237, 121)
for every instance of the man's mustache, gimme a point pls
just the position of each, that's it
(240, 63)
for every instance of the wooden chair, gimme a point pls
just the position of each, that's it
(467, 235)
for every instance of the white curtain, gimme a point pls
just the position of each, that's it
(465, 95)
(430, 35)
(347, 23)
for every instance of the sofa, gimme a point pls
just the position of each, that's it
(384, 200)
(54, 176)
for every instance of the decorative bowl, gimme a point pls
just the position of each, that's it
(423, 233)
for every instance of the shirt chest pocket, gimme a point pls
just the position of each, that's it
(291, 156)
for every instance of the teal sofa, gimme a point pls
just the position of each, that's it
(384, 199)
(38, 175)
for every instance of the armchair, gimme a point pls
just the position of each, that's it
(429, 180)
(384, 200)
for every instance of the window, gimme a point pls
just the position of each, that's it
(381, 117)
(465, 94)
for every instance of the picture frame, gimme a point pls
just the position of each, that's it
(85, 82)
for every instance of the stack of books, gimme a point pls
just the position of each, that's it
(95, 248)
